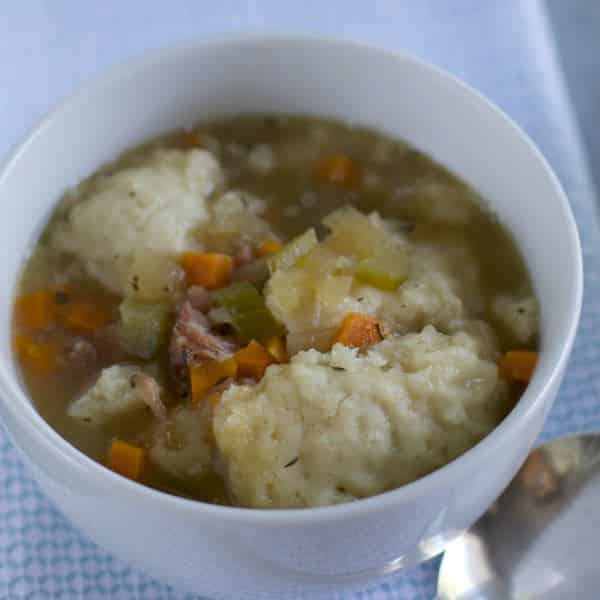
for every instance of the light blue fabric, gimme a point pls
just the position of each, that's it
(502, 47)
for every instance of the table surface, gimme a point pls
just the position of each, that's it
(504, 48)
(576, 28)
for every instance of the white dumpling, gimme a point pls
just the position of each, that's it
(151, 210)
(332, 427)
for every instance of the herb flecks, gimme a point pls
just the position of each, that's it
(292, 462)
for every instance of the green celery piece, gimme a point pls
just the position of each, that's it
(293, 251)
(249, 315)
(385, 272)
(239, 297)
(144, 326)
(257, 325)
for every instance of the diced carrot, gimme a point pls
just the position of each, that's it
(36, 310)
(126, 459)
(518, 365)
(340, 170)
(252, 360)
(276, 347)
(209, 270)
(209, 373)
(358, 330)
(86, 316)
(41, 357)
(189, 139)
(269, 247)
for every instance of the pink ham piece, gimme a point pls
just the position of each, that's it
(193, 341)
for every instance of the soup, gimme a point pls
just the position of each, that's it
(274, 311)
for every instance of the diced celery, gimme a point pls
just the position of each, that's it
(143, 326)
(249, 315)
(293, 251)
(384, 271)
(257, 325)
(239, 297)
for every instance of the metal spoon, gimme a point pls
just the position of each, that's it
(540, 539)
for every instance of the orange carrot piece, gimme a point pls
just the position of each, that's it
(126, 459)
(518, 365)
(40, 357)
(210, 270)
(253, 360)
(358, 330)
(36, 310)
(276, 347)
(269, 247)
(209, 373)
(84, 315)
(340, 170)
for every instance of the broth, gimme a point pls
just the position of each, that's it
(397, 181)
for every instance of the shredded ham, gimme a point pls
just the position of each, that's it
(150, 394)
(193, 341)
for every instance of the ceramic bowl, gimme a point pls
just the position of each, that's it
(234, 553)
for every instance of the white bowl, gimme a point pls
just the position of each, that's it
(238, 553)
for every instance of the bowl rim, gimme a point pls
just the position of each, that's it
(24, 410)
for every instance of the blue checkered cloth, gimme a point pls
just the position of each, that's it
(503, 48)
